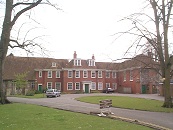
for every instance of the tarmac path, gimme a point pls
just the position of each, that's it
(68, 102)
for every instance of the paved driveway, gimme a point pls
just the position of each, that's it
(67, 102)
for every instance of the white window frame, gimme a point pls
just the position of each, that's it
(108, 72)
(70, 71)
(114, 74)
(114, 86)
(93, 86)
(108, 85)
(57, 74)
(100, 86)
(131, 75)
(40, 74)
(99, 74)
(77, 73)
(68, 86)
(93, 72)
(77, 62)
(53, 64)
(124, 75)
(77, 83)
(91, 62)
(84, 74)
(59, 85)
(49, 74)
(48, 85)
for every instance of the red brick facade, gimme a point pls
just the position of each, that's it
(78, 75)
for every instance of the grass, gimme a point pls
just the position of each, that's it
(129, 103)
(31, 117)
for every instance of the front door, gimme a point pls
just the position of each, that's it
(86, 88)
(40, 87)
(144, 90)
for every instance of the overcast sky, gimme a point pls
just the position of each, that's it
(84, 26)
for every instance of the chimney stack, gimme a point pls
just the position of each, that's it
(93, 57)
(74, 55)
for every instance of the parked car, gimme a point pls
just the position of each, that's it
(53, 93)
(108, 90)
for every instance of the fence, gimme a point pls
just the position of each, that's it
(105, 107)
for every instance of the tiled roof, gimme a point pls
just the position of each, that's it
(142, 61)
(16, 65)
(107, 65)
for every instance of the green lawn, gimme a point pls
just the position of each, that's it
(31, 117)
(129, 103)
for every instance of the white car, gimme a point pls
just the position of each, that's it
(53, 93)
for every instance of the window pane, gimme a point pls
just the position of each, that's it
(93, 74)
(57, 74)
(85, 74)
(49, 85)
(93, 86)
(107, 74)
(69, 74)
(100, 74)
(69, 86)
(58, 85)
(77, 86)
(113, 74)
(49, 74)
(100, 86)
(77, 74)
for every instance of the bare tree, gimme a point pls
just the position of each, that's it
(13, 11)
(157, 38)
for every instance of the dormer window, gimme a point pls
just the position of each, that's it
(77, 62)
(53, 64)
(91, 62)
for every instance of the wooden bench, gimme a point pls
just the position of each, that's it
(105, 107)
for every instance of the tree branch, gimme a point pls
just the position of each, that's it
(32, 5)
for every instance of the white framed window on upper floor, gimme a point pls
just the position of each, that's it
(77, 62)
(114, 75)
(49, 85)
(124, 75)
(53, 64)
(99, 74)
(77, 86)
(85, 74)
(107, 74)
(131, 75)
(70, 74)
(107, 85)
(77, 73)
(58, 85)
(40, 74)
(93, 86)
(100, 86)
(57, 74)
(91, 62)
(49, 74)
(93, 74)
(69, 86)
(114, 86)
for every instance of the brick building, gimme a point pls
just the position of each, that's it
(79, 75)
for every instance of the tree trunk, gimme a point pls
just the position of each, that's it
(5, 39)
(167, 93)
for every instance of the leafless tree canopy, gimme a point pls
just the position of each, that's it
(13, 10)
(153, 25)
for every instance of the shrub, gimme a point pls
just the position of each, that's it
(38, 92)
(30, 93)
